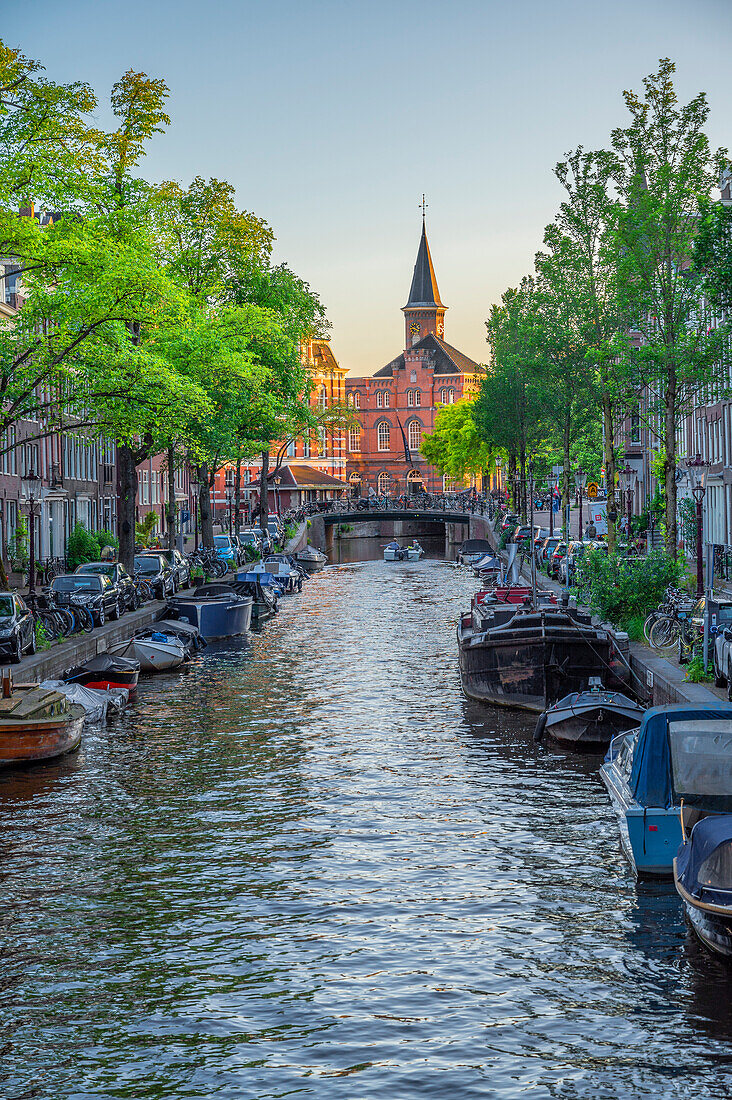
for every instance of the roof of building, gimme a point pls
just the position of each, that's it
(307, 477)
(323, 357)
(446, 359)
(424, 290)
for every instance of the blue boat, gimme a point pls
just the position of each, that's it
(646, 786)
(703, 880)
(216, 615)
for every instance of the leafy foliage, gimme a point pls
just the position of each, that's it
(455, 446)
(620, 588)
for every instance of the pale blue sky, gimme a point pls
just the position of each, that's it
(331, 119)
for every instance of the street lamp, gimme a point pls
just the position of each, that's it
(697, 468)
(499, 462)
(278, 482)
(195, 484)
(30, 486)
(580, 480)
(626, 472)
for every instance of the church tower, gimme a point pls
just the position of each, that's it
(424, 313)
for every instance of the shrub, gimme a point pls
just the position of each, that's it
(82, 546)
(18, 548)
(106, 538)
(621, 589)
(144, 530)
(696, 673)
(42, 639)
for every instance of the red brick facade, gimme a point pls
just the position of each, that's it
(398, 404)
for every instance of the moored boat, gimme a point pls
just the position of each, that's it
(393, 551)
(528, 657)
(683, 751)
(37, 724)
(215, 610)
(414, 551)
(105, 671)
(588, 720)
(703, 879)
(156, 650)
(311, 558)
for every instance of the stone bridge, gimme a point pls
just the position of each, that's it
(455, 525)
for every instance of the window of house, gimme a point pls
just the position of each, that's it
(306, 446)
(322, 398)
(387, 399)
(357, 400)
(383, 436)
(410, 398)
(349, 400)
(145, 488)
(451, 397)
(322, 441)
(379, 400)
(634, 427)
(354, 439)
(418, 397)
(415, 435)
(382, 484)
(413, 376)
(290, 448)
(443, 396)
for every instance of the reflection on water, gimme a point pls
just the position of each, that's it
(309, 867)
(372, 549)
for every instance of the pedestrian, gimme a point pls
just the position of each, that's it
(591, 530)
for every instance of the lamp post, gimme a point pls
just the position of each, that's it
(278, 482)
(31, 489)
(697, 467)
(580, 480)
(195, 484)
(627, 473)
(499, 461)
(551, 506)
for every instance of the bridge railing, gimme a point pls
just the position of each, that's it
(417, 502)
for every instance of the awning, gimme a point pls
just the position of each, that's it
(307, 477)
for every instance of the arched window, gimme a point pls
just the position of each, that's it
(322, 398)
(382, 484)
(386, 399)
(349, 400)
(382, 436)
(415, 435)
(451, 397)
(443, 396)
(410, 398)
(379, 400)
(357, 400)
(414, 482)
(355, 483)
(418, 397)
(354, 439)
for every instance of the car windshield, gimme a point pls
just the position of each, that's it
(6, 606)
(222, 540)
(147, 565)
(80, 582)
(97, 567)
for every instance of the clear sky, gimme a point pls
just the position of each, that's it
(331, 117)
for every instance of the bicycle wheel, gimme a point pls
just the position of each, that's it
(84, 618)
(66, 621)
(650, 620)
(665, 634)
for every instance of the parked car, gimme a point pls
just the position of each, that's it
(250, 538)
(227, 549)
(154, 569)
(118, 575)
(576, 550)
(546, 548)
(17, 629)
(276, 532)
(556, 556)
(509, 520)
(95, 591)
(179, 565)
(722, 655)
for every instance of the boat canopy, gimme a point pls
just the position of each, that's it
(680, 753)
(704, 862)
(476, 546)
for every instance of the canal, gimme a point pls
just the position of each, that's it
(308, 867)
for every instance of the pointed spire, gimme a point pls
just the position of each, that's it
(424, 290)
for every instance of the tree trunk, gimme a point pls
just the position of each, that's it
(171, 497)
(670, 464)
(237, 499)
(204, 508)
(512, 480)
(567, 465)
(607, 421)
(522, 487)
(126, 500)
(263, 492)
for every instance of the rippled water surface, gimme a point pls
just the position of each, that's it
(308, 867)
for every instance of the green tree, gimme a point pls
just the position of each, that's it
(455, 446)
(663, 167)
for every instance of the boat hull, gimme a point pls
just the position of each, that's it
(649, 835)
(217, 618)
(527, 672)
(591, 730)
(45, 739)
(713, 929)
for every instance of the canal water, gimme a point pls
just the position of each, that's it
(308, 867)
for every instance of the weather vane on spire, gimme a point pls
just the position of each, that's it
(423, 205)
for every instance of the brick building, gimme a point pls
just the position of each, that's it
(398, 404)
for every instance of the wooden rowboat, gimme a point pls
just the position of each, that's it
(37, 724)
